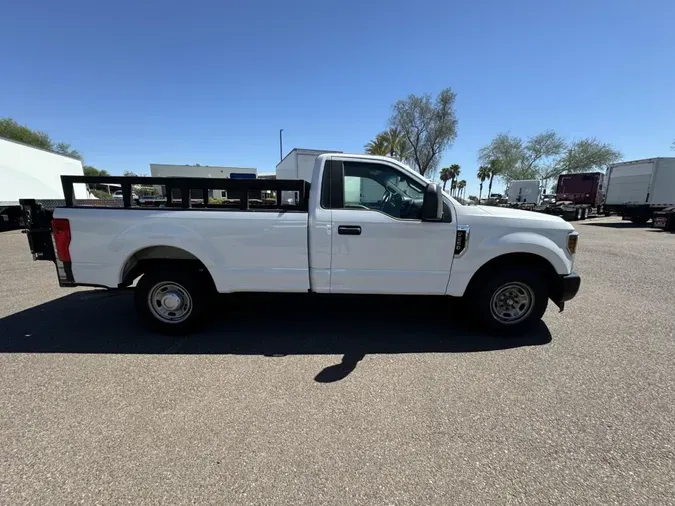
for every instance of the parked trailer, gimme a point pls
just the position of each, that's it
(298, 164)
(27, 171)
(637, 189)
(524, 191)
(577, 197)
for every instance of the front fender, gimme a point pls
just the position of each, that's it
(483, 249)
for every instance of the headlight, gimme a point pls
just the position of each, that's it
(572, 241)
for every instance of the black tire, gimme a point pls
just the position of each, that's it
(584, 213)
(577, 215)
(608, 213)
(191, 289)
(528, 280)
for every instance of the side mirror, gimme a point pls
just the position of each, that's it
(432, 207)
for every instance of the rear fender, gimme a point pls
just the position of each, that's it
(141, 237)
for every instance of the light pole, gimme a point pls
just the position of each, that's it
(281, 145)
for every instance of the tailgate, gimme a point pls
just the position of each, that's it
(38, 223)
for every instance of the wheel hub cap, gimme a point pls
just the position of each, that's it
(170, 302)
(512, 303)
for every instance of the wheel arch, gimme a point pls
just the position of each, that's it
(150, 257)
(525, 260)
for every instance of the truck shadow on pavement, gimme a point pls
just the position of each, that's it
(618, 224)
(97, 321)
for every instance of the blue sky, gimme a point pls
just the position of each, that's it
(211, 82)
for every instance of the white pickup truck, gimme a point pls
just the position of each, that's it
(365, 225)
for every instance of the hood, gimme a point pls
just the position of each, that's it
(525, 219)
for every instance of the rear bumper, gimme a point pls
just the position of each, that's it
(566, 289)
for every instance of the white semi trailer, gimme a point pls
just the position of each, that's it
(525, 191)
(298, 164)
(637, 189)
(27, 171)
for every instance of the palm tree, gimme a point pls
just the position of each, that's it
(396, 143)
(483, 175)
(445, 176)
(377, 146)
(391, 143)
(461, 186)
(495, 170)
(453, 188)
(454, 174)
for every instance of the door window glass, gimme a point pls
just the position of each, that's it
(382, 188)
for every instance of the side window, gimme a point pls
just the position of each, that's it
(382, 188)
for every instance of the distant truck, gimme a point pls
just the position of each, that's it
(298, 164)
(526, 191)
(27, 171)
(580, 195)
(577, 196)
(635, 190)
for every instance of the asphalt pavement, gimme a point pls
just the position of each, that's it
(298, 400)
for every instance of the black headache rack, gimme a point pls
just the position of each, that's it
(193, 192)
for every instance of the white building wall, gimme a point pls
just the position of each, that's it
(206, 171)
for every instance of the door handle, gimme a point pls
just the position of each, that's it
(349, 230)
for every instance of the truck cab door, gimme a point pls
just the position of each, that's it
(380, 245)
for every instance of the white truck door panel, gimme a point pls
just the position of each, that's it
(389, 256)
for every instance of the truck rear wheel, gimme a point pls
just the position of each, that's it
(509, 300)
(173, 301)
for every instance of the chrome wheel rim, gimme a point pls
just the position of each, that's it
(512, 303)
(170, 302)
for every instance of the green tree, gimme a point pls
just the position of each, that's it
(461, 185)
(377, 146)
(428, 126)
(496, 169)
(389, 143)
(545, 155)
(10, 129)
(453, 188)
(445, 176)
(584, 155)
(482, 175)
(93, 171)
(454, 170)
(65, 149)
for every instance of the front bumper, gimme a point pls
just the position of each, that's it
(566, 289)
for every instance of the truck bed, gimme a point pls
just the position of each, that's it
(244, 251)
(248, 244)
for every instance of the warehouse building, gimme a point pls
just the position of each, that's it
(206, 171)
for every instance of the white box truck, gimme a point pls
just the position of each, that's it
(27, 171)
(298, 164)
(524, 191)
(636, 189)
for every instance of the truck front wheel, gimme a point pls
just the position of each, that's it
(172, 301)
(510, 300)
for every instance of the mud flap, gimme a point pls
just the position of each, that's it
(38, 223)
